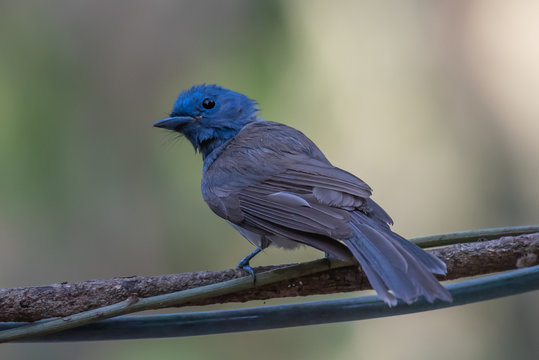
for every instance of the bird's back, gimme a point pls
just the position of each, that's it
(260, 150)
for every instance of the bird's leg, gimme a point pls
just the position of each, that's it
(244, 263)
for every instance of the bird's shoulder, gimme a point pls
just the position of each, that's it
(267, 139)
(260, 150)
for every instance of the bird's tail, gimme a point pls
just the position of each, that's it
(395, 267)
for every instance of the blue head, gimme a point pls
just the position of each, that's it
(209, 115)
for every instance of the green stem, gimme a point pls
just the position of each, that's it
(473, 235)
(161, 301)
(288, 315)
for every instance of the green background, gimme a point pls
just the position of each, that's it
(433, 103)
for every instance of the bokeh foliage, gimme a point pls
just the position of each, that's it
(426, 101)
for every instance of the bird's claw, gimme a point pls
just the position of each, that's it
(248, 268)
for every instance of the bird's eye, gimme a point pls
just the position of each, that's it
(208, 103)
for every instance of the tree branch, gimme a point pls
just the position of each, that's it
(58, 300)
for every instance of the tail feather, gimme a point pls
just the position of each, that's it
(432, 263)
(383, 265)
(382, 277)
(378, 240)
(429, 285)
(394, 264)
(376, 281)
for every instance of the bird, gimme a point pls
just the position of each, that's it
(276, 187)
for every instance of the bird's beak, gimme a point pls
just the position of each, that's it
(173, 123)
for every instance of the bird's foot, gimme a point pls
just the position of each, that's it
(249, 269)
(244, 263)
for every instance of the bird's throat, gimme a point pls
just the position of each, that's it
(211, 148)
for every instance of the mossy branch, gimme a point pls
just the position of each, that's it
(64, 299)
(288, 280)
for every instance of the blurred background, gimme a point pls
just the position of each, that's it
(432, 103)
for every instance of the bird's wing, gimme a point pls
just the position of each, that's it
(296, 210)
(273, 179)
(324, 177)
(311, 198)
(310, 205)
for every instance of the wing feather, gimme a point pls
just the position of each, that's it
(295, 215)
(320, 242)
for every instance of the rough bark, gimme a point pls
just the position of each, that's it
(57, 300)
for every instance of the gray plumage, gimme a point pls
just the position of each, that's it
(276, 187)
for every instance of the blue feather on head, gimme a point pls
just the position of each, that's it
(209, 115)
